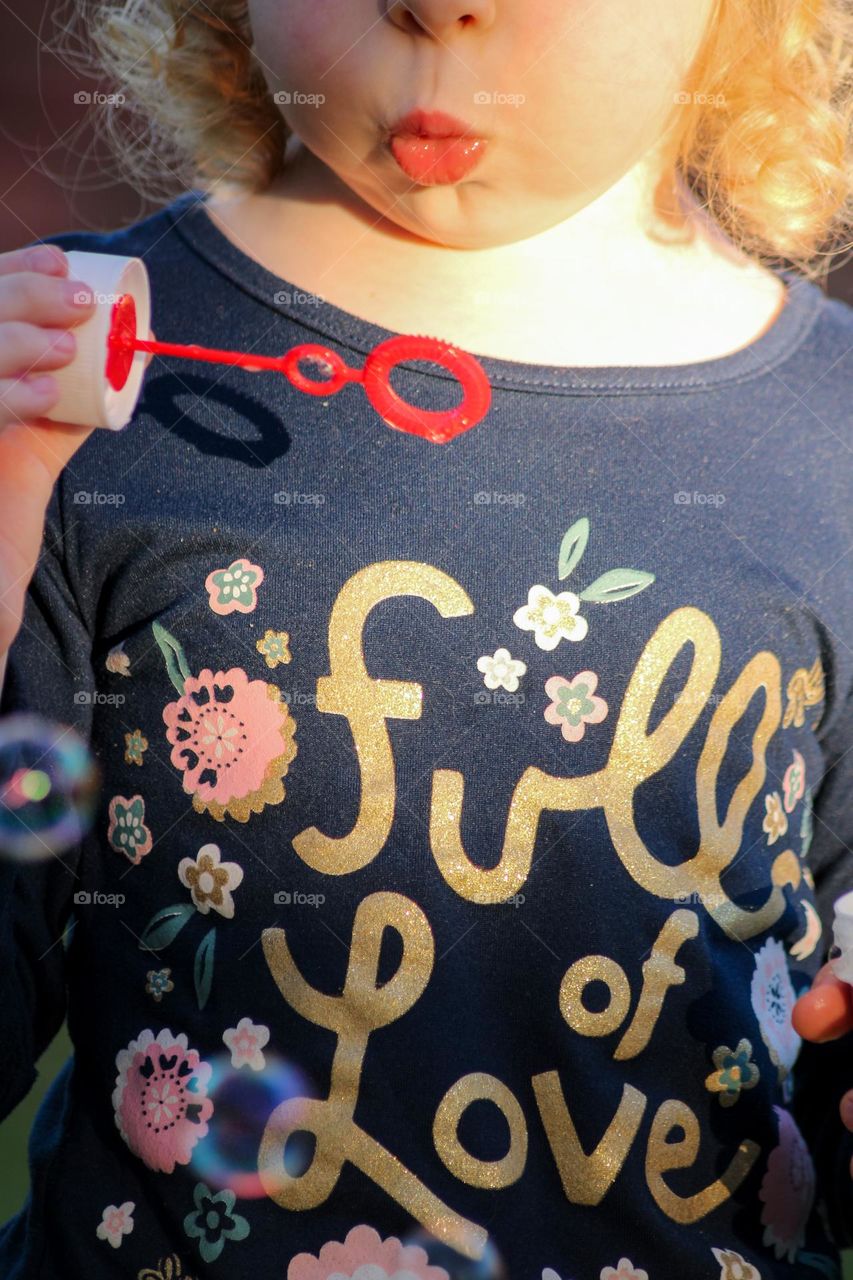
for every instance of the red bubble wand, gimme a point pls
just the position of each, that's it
(437, 426)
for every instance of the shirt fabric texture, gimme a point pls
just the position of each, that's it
(471, 812)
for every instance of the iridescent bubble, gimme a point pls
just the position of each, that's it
(49, 786)
(490, 1267)
(243, 1101)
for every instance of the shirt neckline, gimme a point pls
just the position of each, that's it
(804, 301)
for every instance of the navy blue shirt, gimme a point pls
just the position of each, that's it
(471, 815)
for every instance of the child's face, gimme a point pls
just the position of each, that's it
(569, 94)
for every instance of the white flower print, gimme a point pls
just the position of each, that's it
(501, 671)
(624, 1271)
(210, 881)
(117, 1222)
(246, 1042)
(773, 1000)
(552, 618)
(733, 1266)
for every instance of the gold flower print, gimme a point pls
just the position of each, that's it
(775, 823)
(117, 661)
(135, 744)
(274, 648)
(805, 689)
(159, 983)
(170, 1268)
(735, 1070)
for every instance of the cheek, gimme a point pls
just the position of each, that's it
(303, 39)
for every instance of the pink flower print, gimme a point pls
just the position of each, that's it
(733, 1266)
(246, 1042)
(234, 590)
(794, 781)
(787, 1189)
(160, 1099)
(233, 739)
(574, 704)
(773, 1000)
(210, 881)
(365, 1253)
(127, 832)
(116, 1223)
(624, 1271)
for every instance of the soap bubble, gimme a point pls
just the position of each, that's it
(49, 785)
(243, 1101)
(490, 1267)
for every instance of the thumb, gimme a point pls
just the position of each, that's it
(826, 1011)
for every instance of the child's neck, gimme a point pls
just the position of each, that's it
(595, 289)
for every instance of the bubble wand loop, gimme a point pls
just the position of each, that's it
(105, 393)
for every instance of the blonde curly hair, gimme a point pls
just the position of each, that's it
(760, 134)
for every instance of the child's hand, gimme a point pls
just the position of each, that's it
(39, 308)
(825, 1013)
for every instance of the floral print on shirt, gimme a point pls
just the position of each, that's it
(232, 738)
(365, 1254)
(234, 589)
(160, 1098)
(787, 1190)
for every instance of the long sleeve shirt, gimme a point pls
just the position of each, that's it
(470, 817)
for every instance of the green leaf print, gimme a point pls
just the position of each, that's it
(176, 663)
(165, 926)
(617, 584)
(203, 967)
(573, 546)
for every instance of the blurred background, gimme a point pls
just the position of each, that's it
(56, 174)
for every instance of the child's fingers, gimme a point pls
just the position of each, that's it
(846, 1109)
(826, 1011)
